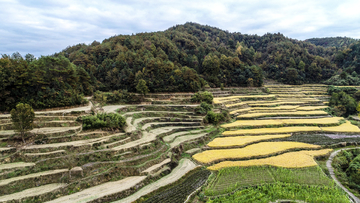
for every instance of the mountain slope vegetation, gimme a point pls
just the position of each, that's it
(183, 58)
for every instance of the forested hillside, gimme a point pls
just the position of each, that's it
(332, 41)
(183, 58)
(42, 83)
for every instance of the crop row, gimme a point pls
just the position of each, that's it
(299, 159)
(180, 192)
(229, 179)
(256, 150)
(346, 127)
(281, 122)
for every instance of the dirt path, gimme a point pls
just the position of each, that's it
(112, 108)
(84, 108)
(97, 192)
(333, 176)
(129, 127)
(185, 165)
(32, 192)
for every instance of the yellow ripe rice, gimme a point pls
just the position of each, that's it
(240, 111)
(343, 128)
(276, 103)
(234, 98)
(240, 141)
(311, 108)
(255, 150)
(288, 107)
(298, 113)
(280, 130)
(233, 105)
(257, 123)
(299, 159)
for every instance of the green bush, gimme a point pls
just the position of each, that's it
(110, 120)
(203, 108)
(215, 118)
(354, 170)
(348, 90)
(343, 104)
(202, 97)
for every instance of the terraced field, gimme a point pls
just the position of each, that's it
(165, 152)
(63, 163)
(266, 133)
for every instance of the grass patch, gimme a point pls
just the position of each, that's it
(272, 192)
(230, 179)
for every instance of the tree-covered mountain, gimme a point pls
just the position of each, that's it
(332, 41)
(183, 58)
(348, 61)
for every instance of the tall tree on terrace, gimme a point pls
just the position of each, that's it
(22, 118)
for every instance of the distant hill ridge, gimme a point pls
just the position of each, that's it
(333, 41)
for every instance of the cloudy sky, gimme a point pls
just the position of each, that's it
(43, 27)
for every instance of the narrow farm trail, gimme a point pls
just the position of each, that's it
(333, 176)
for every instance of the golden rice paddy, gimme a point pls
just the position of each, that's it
(343, 128)
(280, 130)
(223, 142)
(240, 111)
(297, 159)
(288, 107)
(297, 113)
(220, 100)
(255, 150)
(311, 108)
(234, 105)
(259, 123)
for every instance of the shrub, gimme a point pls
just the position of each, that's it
(354, 170)
(110, 120)
(203, 108)
(22, 119)
(343, 104)
(202, 97)
(215, 118)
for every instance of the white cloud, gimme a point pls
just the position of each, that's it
(44, 27)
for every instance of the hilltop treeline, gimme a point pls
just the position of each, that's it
(187, 57)
(332, 41)
(184, 58)
(42, 83)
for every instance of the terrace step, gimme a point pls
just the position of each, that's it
(45, 154)
(32, 192)
(15, 165)
(10, 185)
(187, 138)
(171, 137)
(164, 119)
(102, 192)
(185, 166)
(75, 144)
(162, 124)
(117, 143)
(156, 167)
